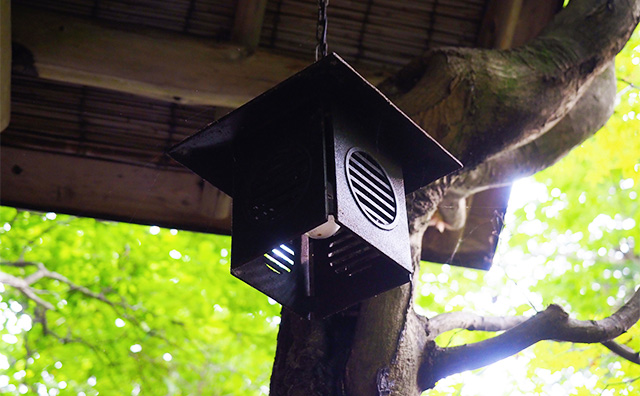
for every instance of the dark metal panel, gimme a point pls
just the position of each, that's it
(279, 181)
(353, 133)
(292, 158)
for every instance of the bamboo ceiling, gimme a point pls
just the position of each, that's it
(383, 33)
(97, 123)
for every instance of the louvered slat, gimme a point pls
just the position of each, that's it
(280, 259)
(371, 188)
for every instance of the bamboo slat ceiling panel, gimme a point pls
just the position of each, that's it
(383, 33)
(100, 153)
(98, 123)
(207, 18)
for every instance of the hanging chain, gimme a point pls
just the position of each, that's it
(321, 31)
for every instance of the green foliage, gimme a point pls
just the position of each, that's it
(152, 311)
(160, 313)
(572, 238)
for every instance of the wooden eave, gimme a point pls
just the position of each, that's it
(100, 90)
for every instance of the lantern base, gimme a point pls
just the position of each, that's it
(318, 277)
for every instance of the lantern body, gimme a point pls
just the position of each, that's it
(322, 146)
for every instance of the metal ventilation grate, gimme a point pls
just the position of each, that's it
(371, 188)
(280, 259)
(350, 255)
(278, 184)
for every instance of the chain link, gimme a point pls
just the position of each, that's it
(321, 30)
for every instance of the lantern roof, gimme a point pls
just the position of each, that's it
(209, 153)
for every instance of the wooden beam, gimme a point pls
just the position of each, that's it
(248, 23)
(146, 61)
(510, 23)
(108, 190)
(506, 24)
(5, 63)
(505, 15)
(528, 27)
(474, 245)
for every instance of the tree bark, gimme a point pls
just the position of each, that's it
(551, 324)
(493, 109)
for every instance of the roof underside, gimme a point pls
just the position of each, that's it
(100, 90)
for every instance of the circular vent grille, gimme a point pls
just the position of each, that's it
(371, 188)
(279, 181)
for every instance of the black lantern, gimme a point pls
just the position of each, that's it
(318, 168)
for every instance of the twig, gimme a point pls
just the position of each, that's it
(632, 85)
(18, 264)
(25, 288)
(40, 235)
(469, 321)
(625, 382)
(24, 285)
(623, 351)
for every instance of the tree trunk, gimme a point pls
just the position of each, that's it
(504, 114)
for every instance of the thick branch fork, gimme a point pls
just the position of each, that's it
(481, 103)
(551, 324)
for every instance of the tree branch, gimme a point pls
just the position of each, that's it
(629, 83)
(588, 115)
(473, 322)
(25, 288)
(24, 285)
(469, 321)
(623, 351)
(479, 103)
(19, 264)
(551, 324)
(44, 272)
